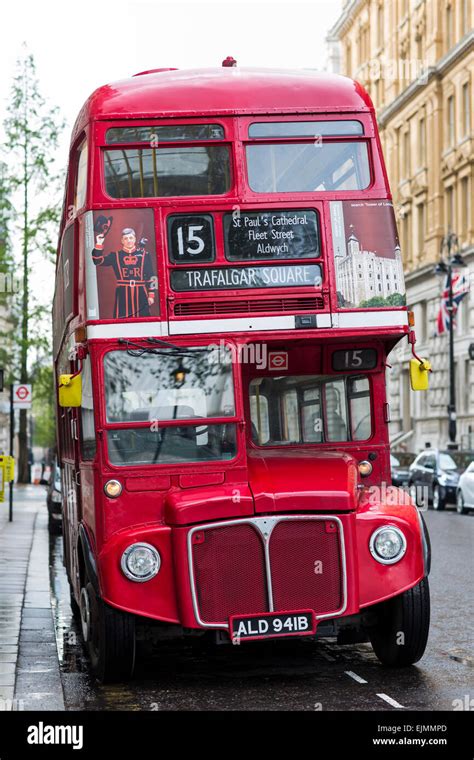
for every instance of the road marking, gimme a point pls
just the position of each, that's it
(355, 676)
(390, 700)
(327, 656)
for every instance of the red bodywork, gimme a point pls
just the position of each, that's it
(166, 505)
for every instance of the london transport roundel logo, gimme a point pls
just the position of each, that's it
(277, 360)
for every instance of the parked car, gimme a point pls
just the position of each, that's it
(433, 478)
(400, 467)
(54, 500)
(465, 490)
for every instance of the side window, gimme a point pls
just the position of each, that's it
(336, 413)
(358, 394)
(311, 416)
(259, 418)
(88, 442)
(430, 462)
(81, 177)
(291, 428)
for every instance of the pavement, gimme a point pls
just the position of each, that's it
(43, 663)
(29, 667)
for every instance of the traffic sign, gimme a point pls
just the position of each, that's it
(22, 396)
(471, 351)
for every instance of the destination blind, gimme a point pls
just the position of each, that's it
(292, 234)
(244, 278)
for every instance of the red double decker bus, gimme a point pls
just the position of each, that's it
(229, 286)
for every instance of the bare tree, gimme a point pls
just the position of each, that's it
(32, 130)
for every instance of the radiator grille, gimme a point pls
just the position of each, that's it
(229, 568)
(305, 562)
(248, 306)
(229, 571)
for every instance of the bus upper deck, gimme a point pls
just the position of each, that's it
(257, 201)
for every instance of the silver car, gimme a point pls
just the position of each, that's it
(465, 490)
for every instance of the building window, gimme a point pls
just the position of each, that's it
(466, 389)
(380, 24)
(466, 110)
(449, 27)
(451, 124)
(421, 142)
(406, 155)
(406, 236)
(450, 208)
(348, 59)
(465, 21)
(422, 322)
(464, 187)
(421, 229)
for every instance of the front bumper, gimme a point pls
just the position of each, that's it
(217, 569)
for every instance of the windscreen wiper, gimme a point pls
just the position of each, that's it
(135, 349)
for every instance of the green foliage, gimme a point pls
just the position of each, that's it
(394, 299)
(8, 284)
(32, 130)
(43, 406)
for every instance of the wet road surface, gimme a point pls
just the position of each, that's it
(296, 674)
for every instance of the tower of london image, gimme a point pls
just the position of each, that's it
(363, 275)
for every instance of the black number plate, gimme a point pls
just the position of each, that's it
(271, 625)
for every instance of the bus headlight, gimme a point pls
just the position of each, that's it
(140, 562)
(387, 544)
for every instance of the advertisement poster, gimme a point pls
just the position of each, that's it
(367, 256)
(121, 266)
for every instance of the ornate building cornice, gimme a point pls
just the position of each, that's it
(344, 21)
(443, 65)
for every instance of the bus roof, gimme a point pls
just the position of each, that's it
(221, 91)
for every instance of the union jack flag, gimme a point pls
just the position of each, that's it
(460, 289)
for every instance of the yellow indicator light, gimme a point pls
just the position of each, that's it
(113, 488)
(365, 468)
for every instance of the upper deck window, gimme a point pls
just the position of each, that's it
(308, 167)
(167, 171)
(81, 177)
(165, 133)
(304, 128)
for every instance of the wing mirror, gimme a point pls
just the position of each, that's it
(419, 371)
(70, 390)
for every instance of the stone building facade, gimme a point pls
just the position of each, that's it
(416, 59)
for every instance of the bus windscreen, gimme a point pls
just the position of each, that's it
(308, 167)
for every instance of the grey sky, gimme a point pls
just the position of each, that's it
(109, 40)
(81, 46)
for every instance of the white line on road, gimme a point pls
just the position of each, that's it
(390, 700)
(355, 676)
(327, 656)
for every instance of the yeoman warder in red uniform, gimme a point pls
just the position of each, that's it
(133, 269)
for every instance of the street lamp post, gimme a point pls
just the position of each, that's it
(450, 245)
